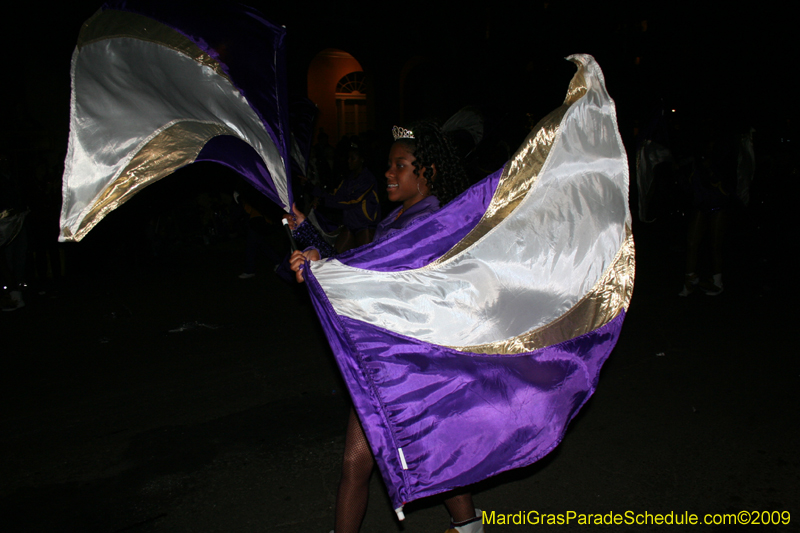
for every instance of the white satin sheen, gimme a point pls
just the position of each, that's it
(125, 92)
(530, 269)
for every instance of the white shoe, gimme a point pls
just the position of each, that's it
(473, 526)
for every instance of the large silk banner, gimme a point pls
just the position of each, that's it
(156, 87)
(470, 339)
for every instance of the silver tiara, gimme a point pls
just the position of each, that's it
(402, 133)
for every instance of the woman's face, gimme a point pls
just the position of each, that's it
(403, 185)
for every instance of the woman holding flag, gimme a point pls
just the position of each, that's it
(423, 173)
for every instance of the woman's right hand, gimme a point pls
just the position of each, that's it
(295, 218)
(298, 260)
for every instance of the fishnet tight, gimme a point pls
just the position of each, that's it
(351, 501)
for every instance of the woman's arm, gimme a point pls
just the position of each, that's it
(306, 235)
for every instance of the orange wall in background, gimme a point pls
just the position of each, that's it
(326, 69)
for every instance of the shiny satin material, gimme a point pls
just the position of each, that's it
(112, 24)
(524, 167)
(554, 254)
(148, 99)
(517, 179)
(534, 297)
(394, 251)
(538, 259)
(602, 304)
(165, 153)
(458, 417)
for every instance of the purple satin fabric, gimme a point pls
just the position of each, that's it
(401, 218)
(459, 418)
(236, 154)
(426, 238)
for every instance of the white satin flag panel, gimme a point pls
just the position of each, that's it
(147, 90)
(535, 265)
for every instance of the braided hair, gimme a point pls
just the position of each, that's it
(431, 146)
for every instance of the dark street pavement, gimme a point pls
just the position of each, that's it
(113, 423)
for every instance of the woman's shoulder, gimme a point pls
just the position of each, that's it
(429, 204)
(399, 219)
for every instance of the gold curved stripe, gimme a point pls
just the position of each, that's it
(112, 24)
(611, 294)
(577, 86)
(521, 171)
(175, 147)
(364, 206)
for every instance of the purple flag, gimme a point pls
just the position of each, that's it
(471, 338)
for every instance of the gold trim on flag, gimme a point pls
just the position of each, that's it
(610, 295)
(114, 24)
(521, 171)
(166, 152)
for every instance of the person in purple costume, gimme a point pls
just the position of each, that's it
(423, 171)
(358, 201)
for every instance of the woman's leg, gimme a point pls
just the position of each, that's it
(463, 515)
(460, 507)
(351, 502)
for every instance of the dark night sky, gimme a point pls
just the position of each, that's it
(728, 62)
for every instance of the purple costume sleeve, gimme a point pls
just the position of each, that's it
(399, 219)
(307, 237)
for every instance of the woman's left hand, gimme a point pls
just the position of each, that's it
(298, 260)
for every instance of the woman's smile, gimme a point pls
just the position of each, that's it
(403, 184)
